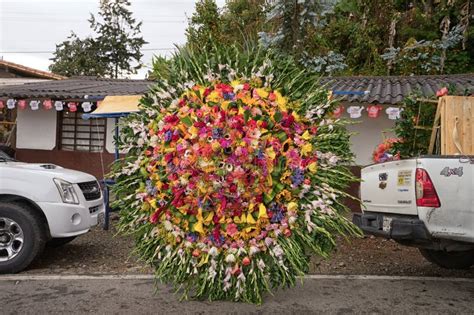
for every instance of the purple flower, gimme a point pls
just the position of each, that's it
(168, 136)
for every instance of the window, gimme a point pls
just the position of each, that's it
(77, 134)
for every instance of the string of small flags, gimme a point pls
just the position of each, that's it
(47, 104)
(373, 111)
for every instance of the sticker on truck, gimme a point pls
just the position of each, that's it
(404, 178)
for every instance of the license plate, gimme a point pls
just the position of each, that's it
(387, 224)
(101, 219)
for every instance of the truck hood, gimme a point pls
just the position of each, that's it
(50, 170)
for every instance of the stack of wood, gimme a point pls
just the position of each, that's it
(454, 125)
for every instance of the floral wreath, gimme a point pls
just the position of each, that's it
(232, 185)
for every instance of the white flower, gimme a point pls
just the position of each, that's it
(168, 226)
(253, 250)
(213, 251)
(230, 258)
(261, 264)
(278, 251)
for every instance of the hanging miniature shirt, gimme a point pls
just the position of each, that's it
(2, 105)
(47, 104)
(394, 112)
(337, 113)
(21, 104)
(59, 105)
(374, 111)
(11, 103)
(355, 111)
(72, 107)
(86, 106)
(34, 105)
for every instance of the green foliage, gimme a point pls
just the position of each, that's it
(76, 56)
(414, 127)
(114, 51)
(346, 36)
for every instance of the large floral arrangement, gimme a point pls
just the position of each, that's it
(230, 181)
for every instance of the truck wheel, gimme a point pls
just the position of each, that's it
(22, 237)
(449, 260)
(59, 241)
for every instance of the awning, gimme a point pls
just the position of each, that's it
(115, 106)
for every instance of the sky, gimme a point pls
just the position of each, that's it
(30, 29)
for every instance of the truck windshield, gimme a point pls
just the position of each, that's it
(5, 157)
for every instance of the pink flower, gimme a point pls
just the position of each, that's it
(231, 229)
(442, 92)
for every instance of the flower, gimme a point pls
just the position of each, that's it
(230, 258)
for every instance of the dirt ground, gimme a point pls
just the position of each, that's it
(104, 252)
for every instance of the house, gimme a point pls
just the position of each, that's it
(377, 106)
(60, 136)
(49, 121)
(15, 74)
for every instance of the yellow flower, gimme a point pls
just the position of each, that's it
(250, 219)
(292, 206)
(281, 101)
(198, 227)
(193, 131)
(284, 194)
(306, 149)
(270, 153)
(306, 135)
(213, 97)
(313, 167)
(209, 217)
(262, 211)
(262, 93)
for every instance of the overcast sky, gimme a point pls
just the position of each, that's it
(30, 29)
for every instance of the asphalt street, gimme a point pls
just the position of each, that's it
(341, 295)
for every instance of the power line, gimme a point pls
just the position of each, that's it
(52, 51)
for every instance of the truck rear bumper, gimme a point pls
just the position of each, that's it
(399, 228)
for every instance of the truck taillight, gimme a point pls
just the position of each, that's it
(426, 195)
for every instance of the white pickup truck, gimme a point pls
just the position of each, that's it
(426, 202)
(39, 204)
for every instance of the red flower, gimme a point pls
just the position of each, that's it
(171, 119)
(224, 87)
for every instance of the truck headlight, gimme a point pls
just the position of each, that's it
(66, 191)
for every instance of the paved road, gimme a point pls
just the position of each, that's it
(329, 295)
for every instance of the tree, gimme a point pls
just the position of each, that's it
(77, 56)
(113, 52)
(119, 37)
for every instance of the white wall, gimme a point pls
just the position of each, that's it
(369, 133)
(36, 129)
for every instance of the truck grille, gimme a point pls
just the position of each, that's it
(91, 190)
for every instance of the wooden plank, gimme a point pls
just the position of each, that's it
(436, 125)
(457, 125)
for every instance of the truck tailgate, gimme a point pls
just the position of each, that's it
(389, 187)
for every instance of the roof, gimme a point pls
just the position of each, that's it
(392, 89)
(18, 81)
(76, 88)
(30, 72)
(383, 89)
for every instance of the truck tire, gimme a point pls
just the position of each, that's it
(449, 260)
(22, 237)
(60, 241)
